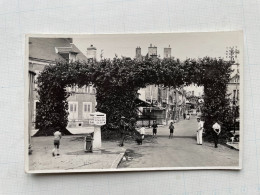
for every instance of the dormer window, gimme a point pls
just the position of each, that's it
(66, 53)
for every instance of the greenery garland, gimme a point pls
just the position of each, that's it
(117, 82)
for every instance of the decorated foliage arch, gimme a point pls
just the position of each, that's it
(117, 82)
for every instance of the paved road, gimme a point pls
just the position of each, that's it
(181, 151)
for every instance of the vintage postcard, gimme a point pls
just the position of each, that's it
(133, 102)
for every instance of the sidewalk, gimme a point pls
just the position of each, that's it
(72, 155)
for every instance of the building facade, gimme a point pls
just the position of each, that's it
(31, 76)
(233, 89)
(46, 51)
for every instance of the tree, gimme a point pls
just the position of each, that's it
(117, 82)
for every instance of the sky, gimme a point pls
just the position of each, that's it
(184, 45)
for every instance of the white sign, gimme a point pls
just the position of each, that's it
(98, 118)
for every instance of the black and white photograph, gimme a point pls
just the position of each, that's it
(133, 102)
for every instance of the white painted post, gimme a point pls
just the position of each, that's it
(99, 119)
(97, 137)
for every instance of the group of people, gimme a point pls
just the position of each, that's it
(155, 126)
(216, 129)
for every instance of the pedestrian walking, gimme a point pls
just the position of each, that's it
(140, 136)
(199, 131)
(171, 127)
(142, 132)
(184, 115)
(122, 127)
(154, 129)
(57, 138)
(216, 131)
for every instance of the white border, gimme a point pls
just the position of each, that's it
(26, 144)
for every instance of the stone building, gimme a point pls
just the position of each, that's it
(46, 51)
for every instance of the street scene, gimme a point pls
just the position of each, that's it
(181, 151)
(99, 105)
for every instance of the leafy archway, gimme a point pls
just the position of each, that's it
(117, 82)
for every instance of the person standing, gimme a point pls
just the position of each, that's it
(154, 129)
(199, 131)
(216, 131)
(142, 132)
(57, 138)
(171, 127)
(122, 126)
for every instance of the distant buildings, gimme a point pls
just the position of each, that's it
(233, 87)
(138, 53)
(167, 52)
(45, 51)
(167, 103)
(193, 90)
(152, 51)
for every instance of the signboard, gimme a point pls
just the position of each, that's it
(97, 118)
(100, 119)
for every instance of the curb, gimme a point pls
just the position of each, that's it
(117, 160)
(232, 147)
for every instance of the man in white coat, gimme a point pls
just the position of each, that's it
(199, 131)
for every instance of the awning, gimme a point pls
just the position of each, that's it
(142, 103)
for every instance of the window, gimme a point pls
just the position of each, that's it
(87, 109)
(73, 110)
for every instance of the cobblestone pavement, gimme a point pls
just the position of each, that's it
(72, 155)
(181, 151)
